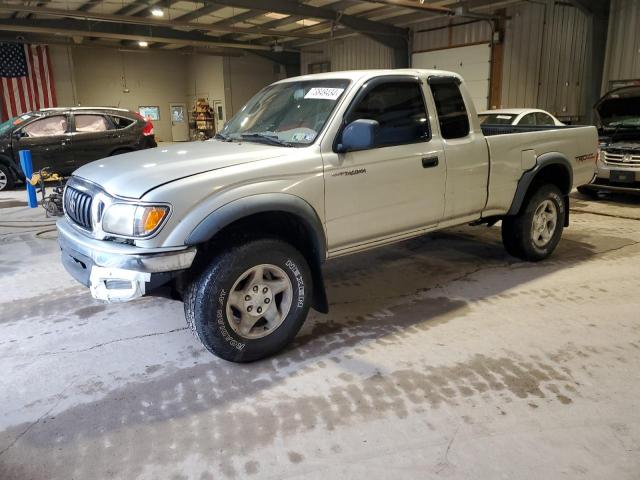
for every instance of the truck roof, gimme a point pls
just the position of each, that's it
(359, 74)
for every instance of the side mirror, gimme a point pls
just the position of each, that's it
(359, 135)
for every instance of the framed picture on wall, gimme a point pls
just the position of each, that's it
(151, 111)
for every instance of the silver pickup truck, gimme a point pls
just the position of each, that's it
(312, 168)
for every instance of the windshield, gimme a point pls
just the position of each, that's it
(496, 119)
(290, 113)
(5, 127)
(620, 112)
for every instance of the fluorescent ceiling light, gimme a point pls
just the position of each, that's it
(277, 16)
(142, 43)
(307, 22)
(157, 12)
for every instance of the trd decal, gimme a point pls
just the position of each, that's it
(584, 158)
(348, 173)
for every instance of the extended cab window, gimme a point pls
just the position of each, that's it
(91, 123)
(399, 109)
(452, 112)
(47, 127)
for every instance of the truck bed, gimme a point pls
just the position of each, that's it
(513, 150)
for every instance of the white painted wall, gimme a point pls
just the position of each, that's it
(62, 65)
(151, 78)
(205, 79)
(244, 77)
(99, 77)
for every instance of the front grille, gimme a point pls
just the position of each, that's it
(620, 158)
(77, 206)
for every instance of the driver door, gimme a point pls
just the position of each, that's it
(49, 141)
(391, 190)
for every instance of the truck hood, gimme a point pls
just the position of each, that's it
(133, 174)
(621, 104)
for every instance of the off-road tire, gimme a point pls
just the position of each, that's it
(207, 293)
(11, 179)
(517, 230)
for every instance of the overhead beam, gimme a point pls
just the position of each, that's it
(386, 34)
(215, 27)
(30, 39)
(69, 28)
(413, 5)
(199, 12)
(337, 6)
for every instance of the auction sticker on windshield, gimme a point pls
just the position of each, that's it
(324, 93)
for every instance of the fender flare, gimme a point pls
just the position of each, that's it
(272, 202)
(544, 160)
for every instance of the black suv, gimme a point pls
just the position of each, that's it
(66, 138)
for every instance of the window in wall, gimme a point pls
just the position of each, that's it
(452, 112)
(91, 123)
(399, 109)
(47, 127)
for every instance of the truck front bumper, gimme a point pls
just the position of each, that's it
(606, 179)
(116, 272)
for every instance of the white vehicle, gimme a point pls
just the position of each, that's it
(312, 168)
(518, 116)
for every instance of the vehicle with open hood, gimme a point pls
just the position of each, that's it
(618, 120)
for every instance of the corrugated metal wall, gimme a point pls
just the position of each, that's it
(622, 61)
(545, 58)
(351, 53)
(546, 50)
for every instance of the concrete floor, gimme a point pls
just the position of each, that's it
(442, 357)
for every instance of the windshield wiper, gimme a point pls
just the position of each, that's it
(263, 137)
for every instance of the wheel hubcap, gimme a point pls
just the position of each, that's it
(3, 180)
(259, 301)
(545, 220)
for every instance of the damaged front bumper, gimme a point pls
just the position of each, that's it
(116, 272)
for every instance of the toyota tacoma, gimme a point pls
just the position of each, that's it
(312, 168)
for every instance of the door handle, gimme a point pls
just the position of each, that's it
(429, 162)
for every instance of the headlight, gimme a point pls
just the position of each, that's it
(133, 220)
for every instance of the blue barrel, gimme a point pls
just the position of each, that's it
(27, 169)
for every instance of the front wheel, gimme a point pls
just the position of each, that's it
(534, 233)
(249, 301)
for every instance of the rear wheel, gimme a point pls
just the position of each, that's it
(7, 180)
(249, 301)
(534, 233)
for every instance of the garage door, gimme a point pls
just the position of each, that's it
(473, 62)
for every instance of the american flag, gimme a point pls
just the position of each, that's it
(27, 79)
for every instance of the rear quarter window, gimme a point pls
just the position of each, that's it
(121, 122)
